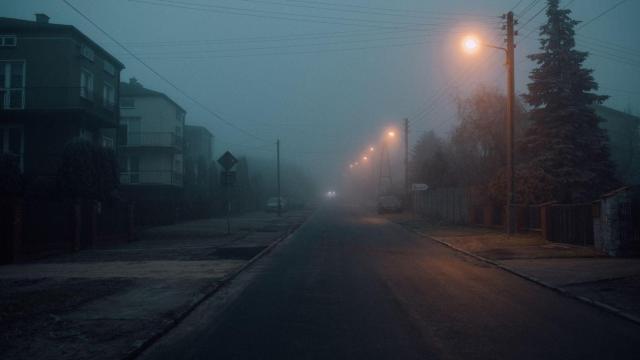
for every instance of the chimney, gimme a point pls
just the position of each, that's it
(42, 18)
(134, 82)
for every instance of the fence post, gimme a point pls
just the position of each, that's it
(545, 226)
(76, 221)
(16, 241)
(130, 221)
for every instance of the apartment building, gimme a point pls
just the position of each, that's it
(56, 84)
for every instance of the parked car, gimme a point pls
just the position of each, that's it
(389, 203)
(272, 204)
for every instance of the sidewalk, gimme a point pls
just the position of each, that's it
(107, 303)
(581, 272)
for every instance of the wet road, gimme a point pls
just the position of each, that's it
(351, 285)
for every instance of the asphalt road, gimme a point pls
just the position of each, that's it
(352, 285)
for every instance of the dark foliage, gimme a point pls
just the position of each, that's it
(11, 182)
(88, 171)
(565, 143)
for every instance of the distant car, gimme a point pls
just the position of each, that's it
(272, 204)
(389, 203)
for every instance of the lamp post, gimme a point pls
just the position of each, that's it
(471, 44)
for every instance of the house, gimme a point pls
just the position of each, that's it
(56, 84)
(150, 150)
(624, 142)
(199, 171)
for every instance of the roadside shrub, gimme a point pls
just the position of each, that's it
(88, 171)
(11, 182)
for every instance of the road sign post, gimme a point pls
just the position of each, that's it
(227, 179)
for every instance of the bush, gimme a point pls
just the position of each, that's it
(88, 171)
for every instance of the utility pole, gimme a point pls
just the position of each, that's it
(406, 161)
(510, 120)
(278, 177)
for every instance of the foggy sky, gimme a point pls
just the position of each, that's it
(354, 71)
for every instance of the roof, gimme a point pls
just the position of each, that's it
(135, 89)
(604, 110)
(198, 128)
(19, 25)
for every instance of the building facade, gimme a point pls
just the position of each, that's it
(56, 84)
(200, 175)
(150, 138)
(150, 152)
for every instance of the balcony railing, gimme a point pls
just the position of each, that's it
(155, 139)
(162, 177)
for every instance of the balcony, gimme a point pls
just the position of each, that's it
(151, 139)
(160, 177)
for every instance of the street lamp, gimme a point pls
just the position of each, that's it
(365, 158)
(372, 149)
(471, 45)
(391, 133)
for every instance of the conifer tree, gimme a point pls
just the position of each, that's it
(564, 140)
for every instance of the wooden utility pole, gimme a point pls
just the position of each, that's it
(510, 120)
(278, 176)
(406, 161)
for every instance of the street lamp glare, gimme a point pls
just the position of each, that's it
(365, 158)
(372, 149)
(391, 133)
(471, 44)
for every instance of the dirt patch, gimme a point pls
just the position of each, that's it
(31, 312)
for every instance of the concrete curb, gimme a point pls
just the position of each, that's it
(583, 299)
(171, 324)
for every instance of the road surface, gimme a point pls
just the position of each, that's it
(352, 285)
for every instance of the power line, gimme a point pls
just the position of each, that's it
(416, 43)
(360, 10)
(163, 78)
(369, 23)
(274, 47)
(390, 9)
(608, 10)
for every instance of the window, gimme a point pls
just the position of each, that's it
(86, 84)
(87, 52)
(12, 142)
(8, 40)
(107, 142)
(132, 128)
(12, 84)
(133, 168)
(108, 96)
(127, 103)
(109, 68)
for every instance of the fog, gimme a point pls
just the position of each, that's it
(327, 78)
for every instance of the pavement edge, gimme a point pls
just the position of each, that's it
(171, 324)
(583, 299)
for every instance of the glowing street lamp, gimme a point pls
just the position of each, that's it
(471, 44)
(391, 133)
(365, 158)
(372, 149)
